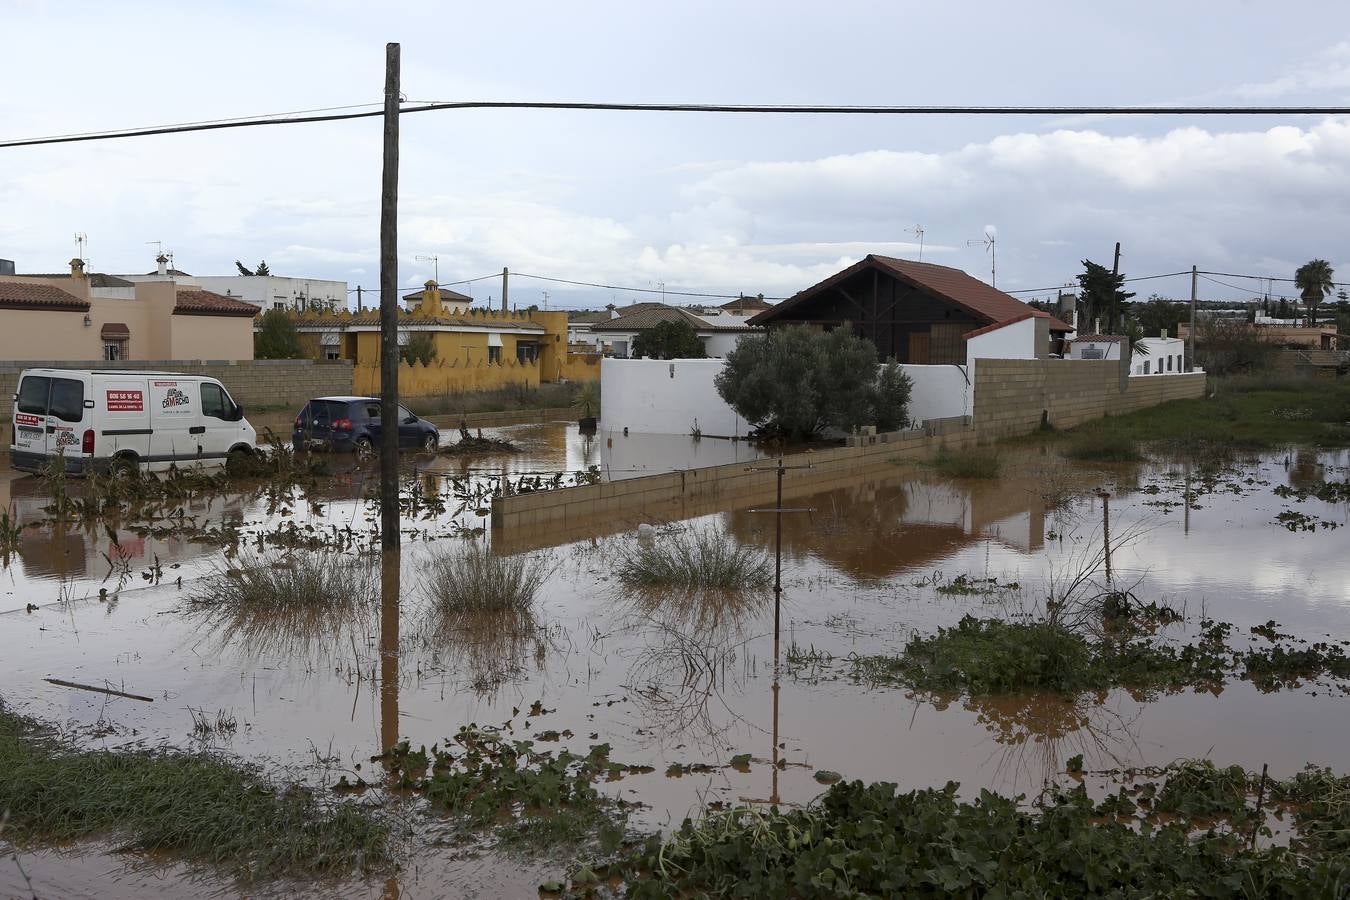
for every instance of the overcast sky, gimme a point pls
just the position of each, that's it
(719, 203)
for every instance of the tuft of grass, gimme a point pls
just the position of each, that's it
(1104, 446)
(981, 462)
(696, 561)
(469, 580)
(503, 399)
(197, 806)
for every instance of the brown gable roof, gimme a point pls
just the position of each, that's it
(17, 295)
(206, 303)
(953, 285)
(447, 296)
(653, 314)
(755, 303)
(96, 279)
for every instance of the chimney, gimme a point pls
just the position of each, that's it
(613, 311)
(431, 299)
(77, 268)
(163, 267)
(1097, 325)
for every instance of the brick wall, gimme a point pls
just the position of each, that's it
(253, 383)
(1012, 394)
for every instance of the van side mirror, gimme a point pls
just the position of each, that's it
(238, 414)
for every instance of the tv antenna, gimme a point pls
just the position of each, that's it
(435, 263)
(82, 244)
(545, 293)
(917, 230)
(989, 241)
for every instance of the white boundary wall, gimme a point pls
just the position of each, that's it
(939, 392)
(665, 396)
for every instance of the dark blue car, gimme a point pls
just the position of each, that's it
(353, 424)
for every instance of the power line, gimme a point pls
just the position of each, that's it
(1060, 287)
(770, 109)
(615, 287)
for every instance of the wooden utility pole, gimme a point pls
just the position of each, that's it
(1190, 336)
(1114, 310)
(389, 306)
(505, 288)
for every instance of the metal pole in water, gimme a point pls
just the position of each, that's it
(1106, 531)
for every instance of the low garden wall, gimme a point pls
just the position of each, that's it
(1011, 397)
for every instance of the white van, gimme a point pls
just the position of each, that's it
(106, 420)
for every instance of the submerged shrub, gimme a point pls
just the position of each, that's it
(972, 463)
(698, 560)
(469, 579)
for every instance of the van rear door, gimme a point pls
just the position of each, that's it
(66, 416)
(30, 414)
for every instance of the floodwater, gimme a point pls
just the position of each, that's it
(675, 679)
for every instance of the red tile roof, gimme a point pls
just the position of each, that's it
(17, 295)
(206, 303)
(956, 287)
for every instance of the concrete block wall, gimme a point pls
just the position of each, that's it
(1011, 396)
(253, 383)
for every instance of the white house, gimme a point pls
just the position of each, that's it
(719, 333)
(263, 291)
(1163, 355)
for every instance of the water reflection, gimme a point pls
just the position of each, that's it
(879, 528)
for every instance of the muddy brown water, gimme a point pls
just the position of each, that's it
(673, 679)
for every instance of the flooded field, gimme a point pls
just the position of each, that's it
(697, 699)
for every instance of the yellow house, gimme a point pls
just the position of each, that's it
(474, 348)
(80, 317)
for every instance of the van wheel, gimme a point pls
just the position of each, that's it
(124, 467)
(430, 444)
(363, 447)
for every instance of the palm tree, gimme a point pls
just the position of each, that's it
(1313, 280)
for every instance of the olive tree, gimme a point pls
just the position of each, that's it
(796, 382)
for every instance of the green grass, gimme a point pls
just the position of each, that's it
(196, 806)
(697, 560)
(980, 462)
(1104, 446)
(470, 580)
(867, 840)
(1250, 413)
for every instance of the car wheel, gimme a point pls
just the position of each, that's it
(363, 448)
(430, 444)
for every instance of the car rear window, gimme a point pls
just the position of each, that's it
(33, 395)
(67, 401)
(327, 410)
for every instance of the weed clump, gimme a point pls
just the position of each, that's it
(469, 580)
(281, 584)
(991, 656)
(868, 840)
(698, 560)
(973, 463)
(198, 806)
